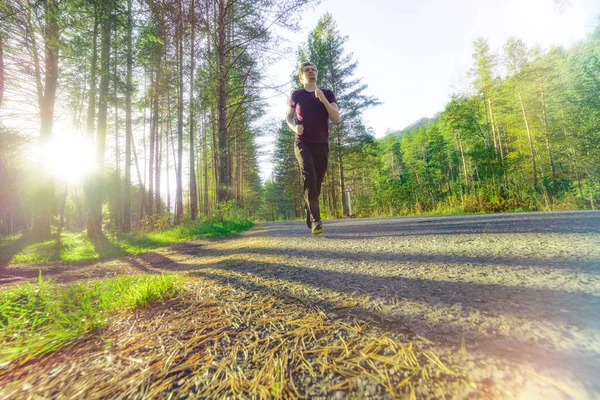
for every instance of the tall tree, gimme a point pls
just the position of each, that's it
(286, 173)
(239, 37)
(193, 189)
(1, 69)
(128, 122)
(94, 221)
(179, 52)
(158, 14)
(45, 197)
(325, 48)
(541, 69)
(483, 79)
(223, 10)
(516, 57)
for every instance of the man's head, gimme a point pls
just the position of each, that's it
(306, 72)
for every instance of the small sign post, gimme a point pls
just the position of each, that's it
(348, 190)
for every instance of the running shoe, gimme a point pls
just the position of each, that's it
(317, 227)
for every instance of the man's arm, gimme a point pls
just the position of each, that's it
(332, 108)
(289, 118)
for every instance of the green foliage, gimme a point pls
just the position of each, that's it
(282, 196)
(540, 120)
(336, 71)
(37, 319)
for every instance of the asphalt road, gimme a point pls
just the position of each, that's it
(520, 291)
(509, 302)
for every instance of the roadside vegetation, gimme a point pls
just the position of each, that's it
(77, 247)
(37, 319)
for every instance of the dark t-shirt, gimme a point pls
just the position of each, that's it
(311, 113)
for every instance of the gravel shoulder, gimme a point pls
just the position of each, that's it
(510, 303)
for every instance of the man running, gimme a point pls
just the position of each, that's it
(313, 107)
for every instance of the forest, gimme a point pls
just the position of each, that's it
(141, 91)
(524, 136)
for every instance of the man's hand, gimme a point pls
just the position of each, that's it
(319, 94)
(332, 108)
(299, 129)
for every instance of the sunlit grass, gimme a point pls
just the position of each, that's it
(136, 243)
(6, 240)
(76, 247)
(72, 247)
(37, 319)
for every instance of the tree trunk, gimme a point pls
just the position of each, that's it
(88, 186)
(170, 133)
(547, 130)
(117, 202)
(140, 179)
(573, 161)
(179, 193)
(215, 160)
(464, 161)
(143, 182)
(223, 157)
(81, 224)
(45, 198)
(94, 222)
(193, 189)
(532, 151)
(240, 170)
(345, 211)
(155, 113)
(61, 219)
(205, 167)
(1, 70)
(168, 180)
(495, 134)
(128, 127)
(500, 137)
(158, 162)
(332, 192)
(152, 139)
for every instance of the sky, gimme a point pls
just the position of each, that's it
(414, 54)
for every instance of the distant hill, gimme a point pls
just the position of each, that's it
(421, 123)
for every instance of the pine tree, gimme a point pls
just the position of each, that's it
(325, 48)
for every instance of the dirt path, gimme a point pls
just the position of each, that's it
(510, 303)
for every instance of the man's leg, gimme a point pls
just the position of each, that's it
(320, 153)
(309, 178)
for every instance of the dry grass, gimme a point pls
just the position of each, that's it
(227, 341)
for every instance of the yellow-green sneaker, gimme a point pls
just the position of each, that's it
(317, 227)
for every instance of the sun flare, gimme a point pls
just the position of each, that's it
(69, 157)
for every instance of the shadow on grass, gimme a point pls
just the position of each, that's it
(13, 247)
(106, 249)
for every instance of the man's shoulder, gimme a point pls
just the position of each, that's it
(328, 92)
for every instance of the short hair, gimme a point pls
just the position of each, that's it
(301, 69)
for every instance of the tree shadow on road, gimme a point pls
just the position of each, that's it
(368, 228)
(523, 351)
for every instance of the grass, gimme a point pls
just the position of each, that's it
(141, 242)
(37, 319)
(74, 247)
